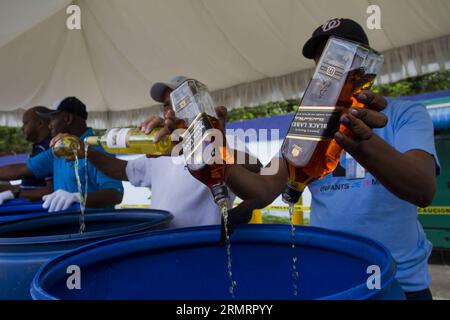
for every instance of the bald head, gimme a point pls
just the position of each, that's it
(35, 128)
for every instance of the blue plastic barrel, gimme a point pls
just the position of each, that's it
(188, 264)
(26, 244)
(18, 209)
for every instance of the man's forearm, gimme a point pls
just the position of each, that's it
(247, 161)
(109, 165)
(104, 198)
(263, 189)
(410, 176)
(15, 172)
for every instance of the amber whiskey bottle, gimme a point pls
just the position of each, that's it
(204, 145)
(309, 149)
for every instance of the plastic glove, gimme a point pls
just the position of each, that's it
(5, 196)
(60, 200)
(241, 214)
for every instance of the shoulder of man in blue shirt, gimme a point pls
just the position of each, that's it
(411, 126)
(41, 165)
(365, 207)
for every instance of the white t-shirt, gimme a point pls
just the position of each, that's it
(175, 190)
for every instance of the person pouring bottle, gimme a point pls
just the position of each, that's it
(393, 142)
(173, 188)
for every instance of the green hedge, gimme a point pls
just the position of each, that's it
(265, 110)
(427, 83)
(13, 142)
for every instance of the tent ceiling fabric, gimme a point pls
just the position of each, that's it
(245, 51)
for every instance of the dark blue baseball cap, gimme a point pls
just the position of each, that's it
(70, 105)
(340, 27)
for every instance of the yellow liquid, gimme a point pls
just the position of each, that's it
(86, 184)
(224, 211)
(66, 147)
(294, 256)
(80, 191)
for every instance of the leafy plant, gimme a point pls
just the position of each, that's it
(12, 141)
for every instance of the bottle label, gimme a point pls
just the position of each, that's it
(117, 138)
(191, 98)
(315, 123)
(182, 96)
(194, 137)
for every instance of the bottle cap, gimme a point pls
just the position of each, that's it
(291, 195)
(220, 193)
(92, 141)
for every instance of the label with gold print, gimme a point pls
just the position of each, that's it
(315, 123)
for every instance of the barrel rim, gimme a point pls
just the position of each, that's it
(164, 219)
(358, 292)
(16, 201)
(30, 207)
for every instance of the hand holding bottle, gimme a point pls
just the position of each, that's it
(222, 114)
(65, 145)
(167, 125)
(172, 123)
(361, 121)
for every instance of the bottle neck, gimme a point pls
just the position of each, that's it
(220, 194)
(291, 195)
(92, 141)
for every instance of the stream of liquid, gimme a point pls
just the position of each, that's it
(224, 211)
(80, 191)
(294, 256)
(86, 174)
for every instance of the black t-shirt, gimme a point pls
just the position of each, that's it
(34, 183)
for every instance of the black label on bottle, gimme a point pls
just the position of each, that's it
(315, 123)
(195, 135)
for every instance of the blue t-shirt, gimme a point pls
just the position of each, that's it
(33, 182)
(63, 172)
(365, 207)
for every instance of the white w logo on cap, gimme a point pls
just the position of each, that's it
(331, 24)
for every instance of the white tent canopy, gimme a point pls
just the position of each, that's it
(247, 52)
